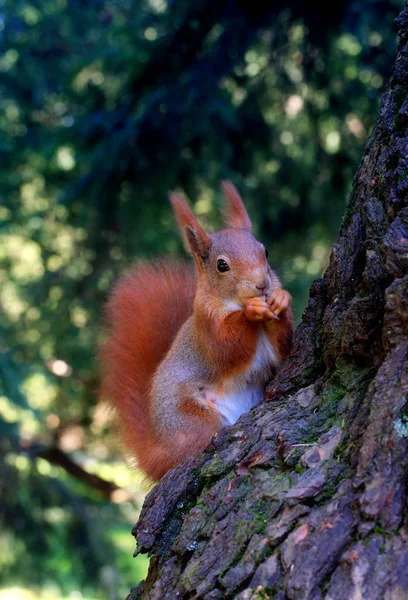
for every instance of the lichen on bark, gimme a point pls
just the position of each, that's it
(306, 496)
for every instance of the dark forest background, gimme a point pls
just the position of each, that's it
(105, 106)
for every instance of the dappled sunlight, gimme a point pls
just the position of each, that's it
(59, 367)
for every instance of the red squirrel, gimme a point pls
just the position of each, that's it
(189, 352)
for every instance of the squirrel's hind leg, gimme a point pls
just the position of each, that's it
(199, 419)
(199, 399)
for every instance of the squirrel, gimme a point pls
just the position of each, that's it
(186, 352)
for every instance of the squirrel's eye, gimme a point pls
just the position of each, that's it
(222, 265)
(266, 252)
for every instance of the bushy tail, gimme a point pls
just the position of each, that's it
(144, 313)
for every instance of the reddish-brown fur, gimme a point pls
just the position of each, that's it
(280, 333)
(143, 302)
(235, 213)
(164, 417)
(227, 340)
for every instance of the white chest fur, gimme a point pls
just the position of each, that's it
(245, 391)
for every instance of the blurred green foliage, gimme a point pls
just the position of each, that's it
(105, 106)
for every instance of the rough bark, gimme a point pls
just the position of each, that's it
(306, 496)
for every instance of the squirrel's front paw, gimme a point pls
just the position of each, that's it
(279, 301)
(256, 309)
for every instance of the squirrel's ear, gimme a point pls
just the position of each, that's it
(236, 215)
(196, 240)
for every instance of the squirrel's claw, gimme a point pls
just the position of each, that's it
(258, 310)
(279, 301)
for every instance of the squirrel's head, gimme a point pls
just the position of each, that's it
(231, 263)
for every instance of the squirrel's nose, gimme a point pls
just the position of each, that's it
(262, 285)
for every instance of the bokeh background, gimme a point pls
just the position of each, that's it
(104, 107)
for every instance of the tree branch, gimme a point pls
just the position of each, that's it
(56, 456)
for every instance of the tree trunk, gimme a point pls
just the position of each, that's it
(306, 496)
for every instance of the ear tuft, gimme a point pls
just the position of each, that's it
(196, 240)
(236, 215)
